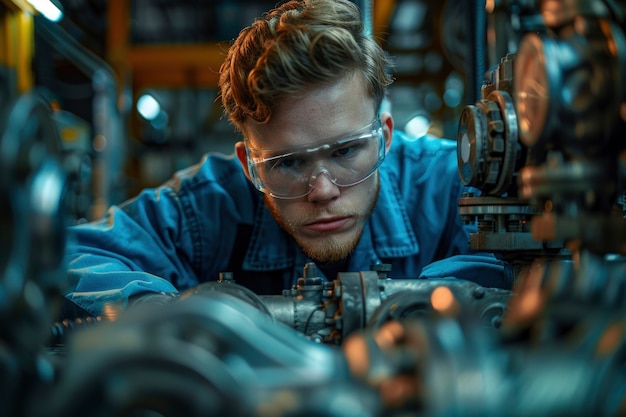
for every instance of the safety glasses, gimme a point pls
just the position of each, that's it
(292, 173)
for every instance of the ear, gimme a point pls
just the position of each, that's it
(387, 123)
(242, 155)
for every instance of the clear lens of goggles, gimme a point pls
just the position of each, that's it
(345, 162)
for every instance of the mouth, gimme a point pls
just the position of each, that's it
(329, 224)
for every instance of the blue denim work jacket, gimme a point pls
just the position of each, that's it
(209, 219)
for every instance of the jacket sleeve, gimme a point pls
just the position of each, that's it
(459, 260)
(449, 255)
(482, 268)
(140, 246)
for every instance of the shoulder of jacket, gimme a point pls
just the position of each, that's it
(213, 168)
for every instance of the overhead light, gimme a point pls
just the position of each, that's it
(148, 107)
(48, 9)
(418, 125)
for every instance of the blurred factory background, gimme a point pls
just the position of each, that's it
(99, 99)
(159, 59)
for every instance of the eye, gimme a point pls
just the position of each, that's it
(346, 150)
(287, 163)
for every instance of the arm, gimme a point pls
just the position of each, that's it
(164, 240)
(143, 245)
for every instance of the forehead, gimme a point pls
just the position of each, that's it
(320, 112)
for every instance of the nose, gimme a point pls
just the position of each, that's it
(323, 186)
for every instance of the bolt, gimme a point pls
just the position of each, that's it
(479, 292)
(226, 277)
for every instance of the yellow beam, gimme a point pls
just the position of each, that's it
(207, 56)
(383, 10)
(173, 66)
(5, 31)
(17, 41)
(18, 5)
(25, 51)
(118, 16)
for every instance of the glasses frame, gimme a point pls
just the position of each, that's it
(375, 129)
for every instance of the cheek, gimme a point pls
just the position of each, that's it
(280, 208)
(368, 189)
(359, 198)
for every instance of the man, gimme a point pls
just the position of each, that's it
(325, 178)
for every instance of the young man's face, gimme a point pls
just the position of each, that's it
(328, 221)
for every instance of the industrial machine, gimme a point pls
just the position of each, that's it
(545, 146)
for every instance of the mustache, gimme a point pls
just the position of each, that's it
(308, 215)
(307, 218)
(312, 218)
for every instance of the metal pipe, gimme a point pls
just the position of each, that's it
(367, 13)
(476, 64)
(107, 123)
